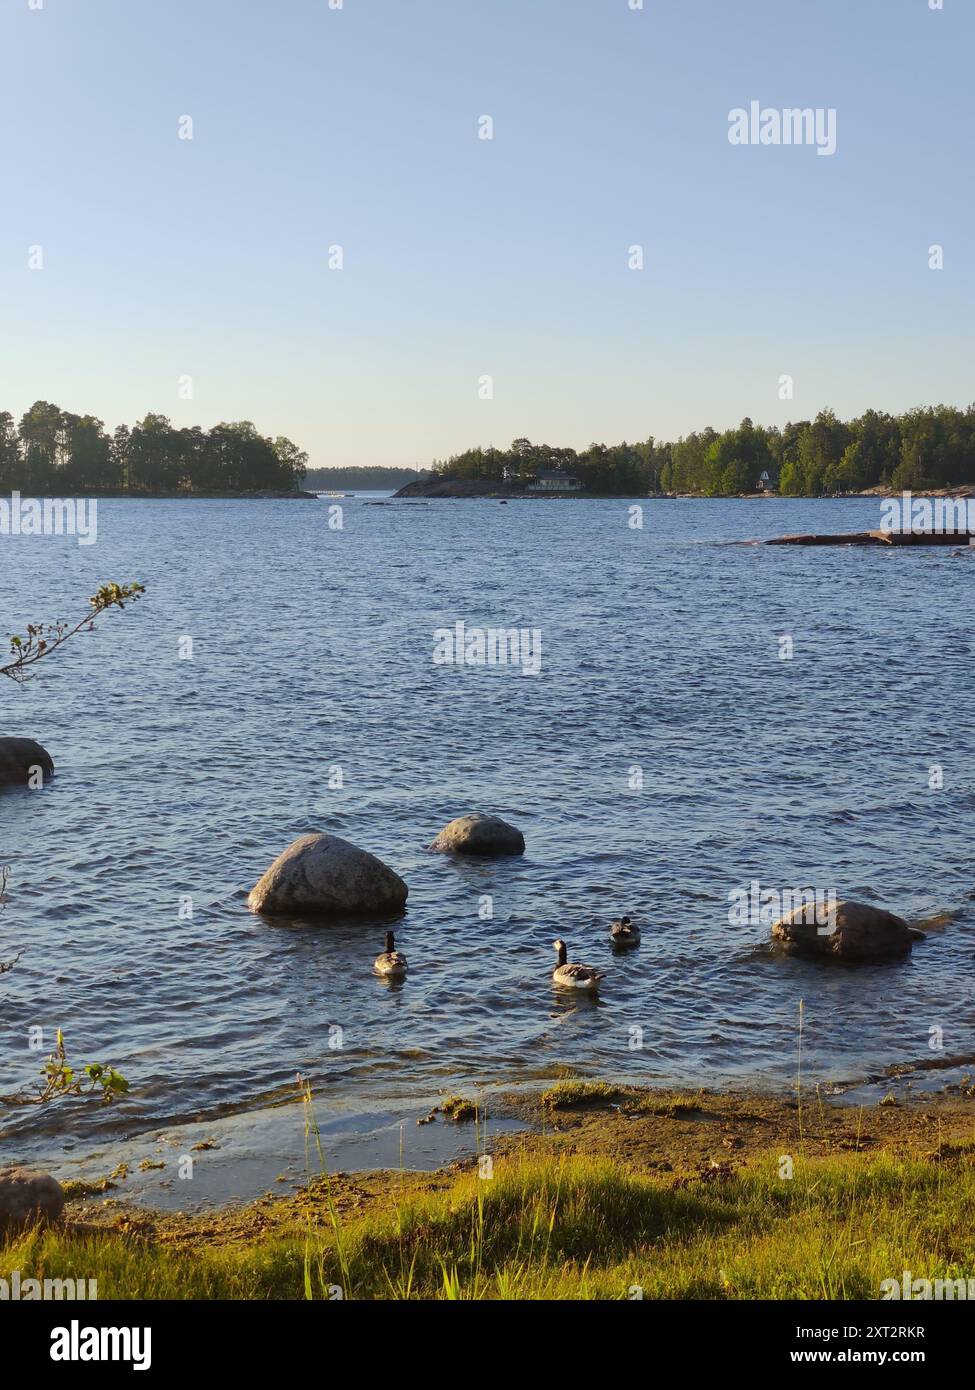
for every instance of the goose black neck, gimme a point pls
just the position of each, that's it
(562, 954)
(390, 944)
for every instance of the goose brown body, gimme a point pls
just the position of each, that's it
(391, 962)
(624, 932)
(572, 975)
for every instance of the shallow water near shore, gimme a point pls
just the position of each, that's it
(313, 650)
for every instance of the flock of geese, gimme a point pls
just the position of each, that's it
(567, 974)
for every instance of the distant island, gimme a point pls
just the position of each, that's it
(363, 478)
(929, 447)
(52, 451)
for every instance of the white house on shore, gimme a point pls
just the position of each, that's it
(554, 480)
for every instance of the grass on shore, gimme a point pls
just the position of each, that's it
(564, 1095)
(458, 1108)
(573, 1092)
(573, 1227)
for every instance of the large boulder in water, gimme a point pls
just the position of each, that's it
(28, 1197)
(477, 834)
(323, 875)
(853, 931)
(20, 758)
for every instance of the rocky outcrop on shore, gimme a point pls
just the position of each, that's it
(879, 538)
(479, 834)
(21, 759)
(325, 876)
(853, 931)
(28, 1197)
(459, 487)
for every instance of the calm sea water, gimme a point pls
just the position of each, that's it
(312, 649)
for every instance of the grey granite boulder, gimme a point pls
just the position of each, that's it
(477, 834)
(28, 1197)
(323, 875)
(19, 757)
(853, 931)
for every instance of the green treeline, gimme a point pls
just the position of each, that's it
(51, 450)
(923, 448)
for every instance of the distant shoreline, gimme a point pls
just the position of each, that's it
(260, 495)
(452, 488)
(450, 491)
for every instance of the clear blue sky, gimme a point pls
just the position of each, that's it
(463, 257)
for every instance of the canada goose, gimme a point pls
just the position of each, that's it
(391, 962)
(574, 976)
(624, 932)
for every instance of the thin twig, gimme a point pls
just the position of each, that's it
(44, 638)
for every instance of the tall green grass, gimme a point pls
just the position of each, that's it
(574, 1228)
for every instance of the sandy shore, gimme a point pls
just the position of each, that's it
(682, 1137)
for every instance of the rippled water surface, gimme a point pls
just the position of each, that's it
(312, 649)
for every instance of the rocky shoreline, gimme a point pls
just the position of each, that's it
(474, 487)
(678, 1133)
(255, 1155)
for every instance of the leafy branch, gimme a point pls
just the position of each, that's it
(42, 639)
(60, 1079)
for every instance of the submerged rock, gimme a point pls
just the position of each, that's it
(28, 1197)
(19, 757)
(853, 931)
(878, 538)
(324, 875)
(477, 834)
(831, 538)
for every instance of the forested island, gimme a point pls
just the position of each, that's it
(53, 451)
(927, 447)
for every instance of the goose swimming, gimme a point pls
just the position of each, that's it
(624, 932)
(391, 962)
(574, 976)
